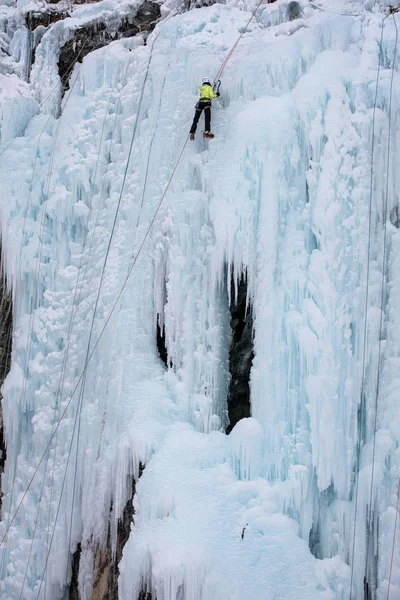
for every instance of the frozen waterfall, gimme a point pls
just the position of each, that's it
(298, 193)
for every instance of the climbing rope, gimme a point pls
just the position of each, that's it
(82, 388)
(61, 385)
(37, 271)
(80, 279)
(33, 534)
(384, 219)
(77, 419)
(232, 50)
(32, 314)
(136, 258)
(150, 149)
(79, 296)
(362, 392)
(38, 262)
(394, 541)
(96, 344)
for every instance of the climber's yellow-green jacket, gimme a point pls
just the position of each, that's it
(207, 93)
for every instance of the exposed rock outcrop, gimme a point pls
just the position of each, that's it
(240, 355)
(5, 355)
(98, 34)
(90, 36)
(161, 346)
(44, 18)
(294, 11)
(106, 572)
(73, 588)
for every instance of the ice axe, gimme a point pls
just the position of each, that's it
(216, 86)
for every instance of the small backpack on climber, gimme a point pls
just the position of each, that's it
(206, 95)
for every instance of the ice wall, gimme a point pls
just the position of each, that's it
(283, 193)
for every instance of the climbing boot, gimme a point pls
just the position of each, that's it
(192, 136)
(208, 134)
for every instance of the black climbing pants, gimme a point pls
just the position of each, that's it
(200, 106)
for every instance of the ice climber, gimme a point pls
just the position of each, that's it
(206, 95)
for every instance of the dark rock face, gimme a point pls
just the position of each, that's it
(93, 35)
(294, 11)
(5, 355)
(322, 502)
(105, 581)
(240, 356)
(97, 35)
(161, 346)
(73, 588)
(190, 4)
(395, 217)
(106, 572)
(45, 18)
